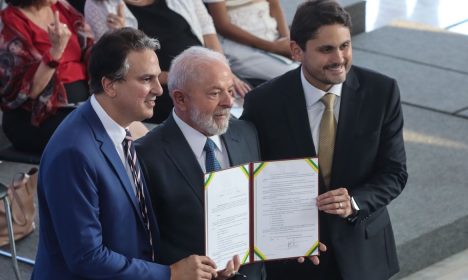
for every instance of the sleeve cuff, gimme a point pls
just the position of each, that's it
(354, 205)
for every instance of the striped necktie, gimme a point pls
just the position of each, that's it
(130, 155)
(327, 138)
(211, 163)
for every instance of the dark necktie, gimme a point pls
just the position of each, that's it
(130, 155)
(211, 163)
(327, 138)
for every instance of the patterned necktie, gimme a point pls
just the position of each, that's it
(327, 138)
(211, 163)
(130, 155)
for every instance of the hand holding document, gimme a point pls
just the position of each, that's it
(262, 211)
(232, 268)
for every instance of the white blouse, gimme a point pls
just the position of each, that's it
(253, 16)
(96, 12)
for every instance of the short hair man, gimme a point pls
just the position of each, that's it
(173, 155)
(351, 118)
(96, 217)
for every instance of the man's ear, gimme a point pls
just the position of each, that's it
(296, 52)
(108, 86)
(179, 99)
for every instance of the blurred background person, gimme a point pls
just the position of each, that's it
(178, 25)
(78, 5)
(255, 37)
(43, 75)
(105, 15)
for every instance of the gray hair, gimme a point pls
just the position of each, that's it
(186, 67)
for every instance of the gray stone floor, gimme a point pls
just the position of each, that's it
(451, 268)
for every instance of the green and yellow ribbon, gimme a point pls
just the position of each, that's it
(259, 168)
(208, 180)
(312, 164)
(312, 249)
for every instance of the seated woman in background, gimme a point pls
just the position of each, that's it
(255, 36)
(43, 46)
(105, 15)
(178, 25)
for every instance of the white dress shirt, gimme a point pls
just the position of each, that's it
(315, 110)
(116, 133)
(197, 140)
(315, 107)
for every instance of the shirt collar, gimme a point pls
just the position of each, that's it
(313, 94)
(195, 138)
(113, 129)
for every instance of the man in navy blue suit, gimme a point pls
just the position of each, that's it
(97, 221)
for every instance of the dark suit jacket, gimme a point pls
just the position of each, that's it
(175, 181)
(91, 226)
(369, 160)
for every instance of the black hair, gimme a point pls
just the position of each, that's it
(313, 14)
(109, 55)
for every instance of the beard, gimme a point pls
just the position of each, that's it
(208, 124)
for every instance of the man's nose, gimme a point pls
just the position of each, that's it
(157, 88)
(227, 100)
(338, 56)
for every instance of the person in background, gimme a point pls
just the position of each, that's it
(178, 25)
(97, 221)
(105, 15)
(255, 37)
(351, 118)
(43, 48)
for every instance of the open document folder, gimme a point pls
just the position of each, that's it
(262, 211)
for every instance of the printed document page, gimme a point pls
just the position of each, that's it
(227, 215)
(286, 214)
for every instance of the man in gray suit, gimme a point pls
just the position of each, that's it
(173, 155)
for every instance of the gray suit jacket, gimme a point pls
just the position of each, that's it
(175, 181)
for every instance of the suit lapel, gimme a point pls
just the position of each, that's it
(179, 151)
(351, 101)
(109, 152)
(294, 104)
(231, 141)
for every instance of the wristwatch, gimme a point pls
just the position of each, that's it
(49, 61)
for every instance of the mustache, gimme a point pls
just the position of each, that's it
(335, 65)
(224, 111)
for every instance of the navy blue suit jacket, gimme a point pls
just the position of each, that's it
(90, 223)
